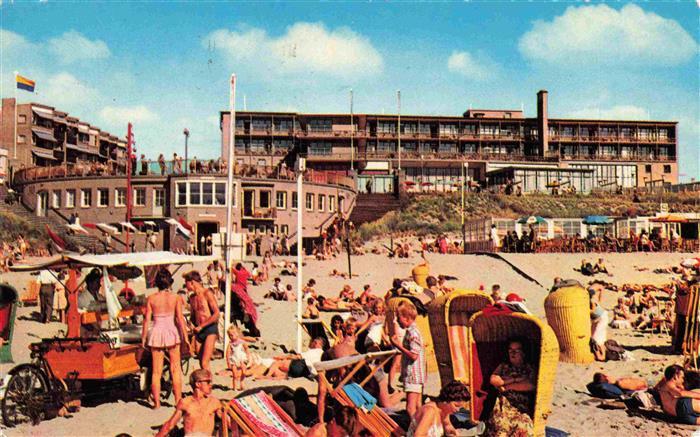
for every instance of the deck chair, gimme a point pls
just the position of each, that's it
(316, 328)
(375, 420)
(31, 295)
(257, 415)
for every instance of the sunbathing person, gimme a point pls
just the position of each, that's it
(514, 381)
(367, 296)
(346, 294)
(311, 311)
(433, 418)
(297, 365)
(676, 401)
(197, 410)
(599, 267)
(330, 304)
(621, 315)
(607, 387)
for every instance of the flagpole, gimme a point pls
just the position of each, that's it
(398, 98)
(229, 206)
(14, 139)
(352, 135)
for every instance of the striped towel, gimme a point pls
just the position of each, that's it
(258, 409)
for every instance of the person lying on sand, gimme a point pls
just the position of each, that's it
(198, 410)
(296, 365)
(608, 387)
(330, 304)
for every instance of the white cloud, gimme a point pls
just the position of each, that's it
(618, 112)
(64, 90)
(72, 46)
(12, 42)
(121, 115)
(304, 48)
(600, 35)
(471, 67)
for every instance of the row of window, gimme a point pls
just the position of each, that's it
(102, 197)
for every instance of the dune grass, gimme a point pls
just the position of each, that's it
(12, 226)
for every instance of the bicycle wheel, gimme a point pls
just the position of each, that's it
(25, 396)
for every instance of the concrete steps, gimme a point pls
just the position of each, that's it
(371, 207)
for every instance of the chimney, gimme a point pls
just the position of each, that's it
(542, 122)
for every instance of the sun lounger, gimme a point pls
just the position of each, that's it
(318, 328)
(257, 415)
(374, 419)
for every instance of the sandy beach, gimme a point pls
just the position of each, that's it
(573, 410)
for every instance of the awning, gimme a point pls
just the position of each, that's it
(104, 227)
(137, 259)
(44, 135)
(82, 149)
(47, 113)
(377, 165)
(44, 155)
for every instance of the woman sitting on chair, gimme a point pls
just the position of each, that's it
(514, 381)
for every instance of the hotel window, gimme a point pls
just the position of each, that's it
(181, 194)
(283, 125)
(207, 193)
(21, 139)
(195, 193)
(647, 168)
(70, 198)
(489, 130)
(102, 197)
(331, 203)
(281, 145)
(258, 146)
(261, 125)
(667, 169)
(241, 146)
(386, 146)
(158, 198)
(281, 197)
(409, 146)
(320, 148)
(139, 197)
(21, 119)
(309, 202)
(448, 129)
(120, 197)
(409, 128)
(295, 200)
(264, 198)
(386, 127)
(320, 125)
(219, 193)
(284, 229)
(56, 199)
(321, 202)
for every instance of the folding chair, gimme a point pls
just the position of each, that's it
(257, 415)
(316, 328)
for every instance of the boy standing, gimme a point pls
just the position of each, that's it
(413, 364)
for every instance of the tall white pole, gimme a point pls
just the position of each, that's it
(14, 139)
(231, 196)
(398, 123)
(300, 238)
(352, 135)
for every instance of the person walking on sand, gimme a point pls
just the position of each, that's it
(198, 410)
(165, 308)
(205, 315)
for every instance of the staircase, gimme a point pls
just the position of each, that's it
(371, 207)
(74, 242)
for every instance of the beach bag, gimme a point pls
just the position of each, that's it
(614, 351)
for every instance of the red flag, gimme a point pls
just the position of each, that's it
(185, 224)
(56, 239)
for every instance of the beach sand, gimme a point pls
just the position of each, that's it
(573, 410)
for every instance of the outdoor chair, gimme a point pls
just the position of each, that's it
(256, 415)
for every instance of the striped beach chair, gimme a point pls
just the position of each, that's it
(257, 415)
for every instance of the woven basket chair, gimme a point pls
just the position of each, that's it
(423, 326)
(449, 319)
(568, 314)
(489, 338)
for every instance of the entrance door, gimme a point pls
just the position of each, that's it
(248, 203)
(42, 203)
(204, 231)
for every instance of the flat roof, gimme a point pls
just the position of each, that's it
(515, 167)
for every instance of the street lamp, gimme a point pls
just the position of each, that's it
(300, 169)
(186, 133)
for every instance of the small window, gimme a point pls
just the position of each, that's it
(281, 197)
(56, 199)
(181, 189)
(21, 119)
(120, 197)
(264, 199)
(207, 193)
(331, 203)
(284, 229)
(295, 200)
(261, 163)
(21, 139)
(139, 197)
(158, 198)
(102, 197)
(321, 202)
(647, 168)
(195, 193)
(70, 198)
(667, 169)
(219, 193)
(309, 202)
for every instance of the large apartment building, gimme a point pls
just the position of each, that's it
(490, 146)
(46, 136)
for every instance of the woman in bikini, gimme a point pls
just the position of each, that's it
(165, 309)
(433, 418)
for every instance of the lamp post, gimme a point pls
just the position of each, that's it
(463, 173)
(352, 135)
(186, 133)
(300, 169)
(230, 198)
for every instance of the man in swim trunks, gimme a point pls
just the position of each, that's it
(205, 316)
(198, 410)
(676, 401)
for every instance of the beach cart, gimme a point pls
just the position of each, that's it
(449, 319)
(491, 330)
(89, 363)
(568, 314)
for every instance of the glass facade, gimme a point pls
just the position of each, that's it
(612, 175)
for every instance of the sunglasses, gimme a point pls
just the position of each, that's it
(208, 381)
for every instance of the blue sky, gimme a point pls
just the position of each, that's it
(165, 66)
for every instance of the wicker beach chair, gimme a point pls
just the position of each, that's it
(449, 319)
(376, 421)
(691, 333)
(567, 312)
(490, 333)
(257, 415)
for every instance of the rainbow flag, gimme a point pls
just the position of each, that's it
(25, 84)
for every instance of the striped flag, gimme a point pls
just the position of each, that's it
(24, 83)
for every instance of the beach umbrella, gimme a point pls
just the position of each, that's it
(597, 220)
(670, 218)
(409, 183)
(533, 219)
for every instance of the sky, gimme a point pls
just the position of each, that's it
(166, 66)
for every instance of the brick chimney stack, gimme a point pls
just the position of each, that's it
(542, 122)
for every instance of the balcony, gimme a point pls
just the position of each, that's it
(260, 214)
